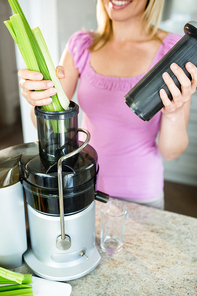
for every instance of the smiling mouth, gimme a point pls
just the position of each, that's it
(119, 3)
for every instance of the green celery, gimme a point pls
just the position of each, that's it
(42, 66)
(64, 101)
(14, 287)
(10, 29)
(26, 280)
(24, 292)
(11, 275)
(24, 43)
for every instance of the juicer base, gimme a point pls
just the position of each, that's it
(62, 273)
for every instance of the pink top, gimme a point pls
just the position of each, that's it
(129, 161)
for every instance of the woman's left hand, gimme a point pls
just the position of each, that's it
(180, 97)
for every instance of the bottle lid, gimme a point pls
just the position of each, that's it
(191, 29)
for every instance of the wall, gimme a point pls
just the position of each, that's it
(71, 18)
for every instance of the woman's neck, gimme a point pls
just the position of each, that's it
(128, 31)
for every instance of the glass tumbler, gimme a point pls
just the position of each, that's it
(113, 218)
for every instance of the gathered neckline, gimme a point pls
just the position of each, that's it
(101, 76)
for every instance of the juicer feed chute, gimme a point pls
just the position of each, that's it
(60, 189)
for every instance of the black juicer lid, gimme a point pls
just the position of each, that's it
(41, 186)
(83, 170)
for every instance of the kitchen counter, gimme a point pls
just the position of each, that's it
(159, 257)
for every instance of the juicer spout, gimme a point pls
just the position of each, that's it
(101, 196)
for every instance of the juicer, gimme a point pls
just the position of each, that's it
(60, 189)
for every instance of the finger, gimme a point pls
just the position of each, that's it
(184, 81)
(35, 85)
(31, 75)
(165, 100)
(60, 72)
(33, 97)
(176, 94)
(42, 102)
(40, 95)
(193, 71)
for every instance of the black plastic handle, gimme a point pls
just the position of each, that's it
(101, 196)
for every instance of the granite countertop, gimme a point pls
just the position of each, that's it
(159, 257)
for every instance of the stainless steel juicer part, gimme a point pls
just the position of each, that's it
(47, 261)
(63, 241)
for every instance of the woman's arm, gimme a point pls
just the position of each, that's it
(173, 137)
(68, 74)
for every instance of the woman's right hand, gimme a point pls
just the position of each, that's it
(31, 81)
(35, 90)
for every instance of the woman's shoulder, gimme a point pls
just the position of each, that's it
(78, 45)
(168, 39)
(80, 40)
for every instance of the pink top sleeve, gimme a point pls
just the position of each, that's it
(78, 45)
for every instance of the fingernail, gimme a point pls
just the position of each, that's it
(38, 76)
(162, 92)
(53, 91)
(174, 66)
(189, 65)
(49, 101)
(166, 75)
(50, 84)
(61, 72)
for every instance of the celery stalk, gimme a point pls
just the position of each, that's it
(64, 101)
(26, 280)
(11, 30)
(24, 43)
(11, 275)
(19, 34)
(14, 26)
(24, 292)
(15, 6)
(14, 287)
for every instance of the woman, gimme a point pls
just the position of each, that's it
(109, 63)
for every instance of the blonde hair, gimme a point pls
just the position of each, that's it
(150, 22)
